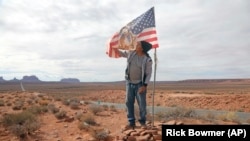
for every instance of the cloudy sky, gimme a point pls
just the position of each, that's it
(55, 39)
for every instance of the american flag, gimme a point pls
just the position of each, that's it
(142, 28)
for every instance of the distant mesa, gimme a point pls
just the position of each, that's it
(14, 80)
(31, 78)
(1, 79)
(34, 79)
(70, 80)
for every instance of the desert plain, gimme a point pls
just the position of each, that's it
(87, 111)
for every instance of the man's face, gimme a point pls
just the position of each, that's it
(139, 47)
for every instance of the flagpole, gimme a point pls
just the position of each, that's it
(155, 61)
(155, 64)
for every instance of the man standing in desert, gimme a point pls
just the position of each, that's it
(138, 74)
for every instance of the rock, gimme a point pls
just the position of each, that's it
(131, 138)
(134, 134)
(152, 132)
(128, 132)
(69, 119)
(171, 122)
(157, 137)
(143, 138)
(179, 123)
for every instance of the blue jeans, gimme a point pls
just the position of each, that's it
(131, 95)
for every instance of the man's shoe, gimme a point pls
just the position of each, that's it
(129, 127)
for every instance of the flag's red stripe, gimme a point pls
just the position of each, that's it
(155, 46)
(153, 39)
(147, 33)
(110, 51)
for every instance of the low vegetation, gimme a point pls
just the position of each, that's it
(21, 124)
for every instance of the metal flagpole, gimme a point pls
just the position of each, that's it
(155, 62)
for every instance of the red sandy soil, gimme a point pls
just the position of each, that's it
(53, 129)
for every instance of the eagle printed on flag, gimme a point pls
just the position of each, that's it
(140, 29)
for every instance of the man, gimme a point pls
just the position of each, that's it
(138, 74)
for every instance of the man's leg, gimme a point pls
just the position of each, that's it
(130, 99)
(141, 100)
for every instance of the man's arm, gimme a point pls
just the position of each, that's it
(148, 71)
(122, 53)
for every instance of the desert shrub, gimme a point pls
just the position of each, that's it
(83, 126)
(30, 101)
(52, 108)
(38, 109)
(21, 124)
(248, 121)
(87, 102)
(61, 114)
(160, 115)
(112, 108)
(75, 100)
(41, 95)
(105, 107)
(100, 134)
(229, 116)
(57, 98)
(24, 108)
(1, 103)
(209, 116)
(49, 98)
(95, 108)
(66, 102)
(88, 119)
(79, 116)
(74, 105)
(9, 104)
(179, 112)
(43, 102)
(18, 105)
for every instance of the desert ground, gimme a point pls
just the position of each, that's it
(65, 112)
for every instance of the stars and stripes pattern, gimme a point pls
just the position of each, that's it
(143, 27)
